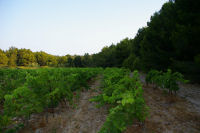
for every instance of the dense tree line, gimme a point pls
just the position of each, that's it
(25, 57)
(170, 40)
(111, 56)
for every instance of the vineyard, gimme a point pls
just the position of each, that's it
(100, 66)
(125, 96)
(24, 92)
(112, 106)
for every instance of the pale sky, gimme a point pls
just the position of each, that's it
(61, 27)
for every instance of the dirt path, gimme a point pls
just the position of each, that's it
(169, 114)
(84, 118)
(191, 92)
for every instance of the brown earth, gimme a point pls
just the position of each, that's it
(170, 113)
(83, 118)
(167, 113)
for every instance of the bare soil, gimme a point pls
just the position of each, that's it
(169, 113)
(191, 92)
(83, 118)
